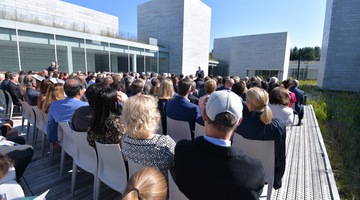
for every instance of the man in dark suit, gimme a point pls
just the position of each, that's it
(299, 104)
(14, 88)
(209, 167)
(199, 71)
(180, 108)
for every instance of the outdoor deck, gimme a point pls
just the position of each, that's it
(308, 173)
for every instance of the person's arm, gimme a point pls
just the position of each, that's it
(51, 128)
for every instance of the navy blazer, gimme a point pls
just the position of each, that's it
(182, 109)
(299, 98)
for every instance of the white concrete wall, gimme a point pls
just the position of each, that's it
(340, 55)
(254, 52)
(182, 26)
(59, 14)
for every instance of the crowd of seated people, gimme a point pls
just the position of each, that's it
(128, 108)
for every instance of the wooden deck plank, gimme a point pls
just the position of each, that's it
(308, 173)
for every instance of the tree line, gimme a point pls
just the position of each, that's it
(307, 53)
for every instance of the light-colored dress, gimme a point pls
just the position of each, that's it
(157, 152)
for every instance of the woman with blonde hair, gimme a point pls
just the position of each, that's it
(147, 183)
(258, 124)
(165, 93)
(53, 93)
(140, 143)
(44, 85)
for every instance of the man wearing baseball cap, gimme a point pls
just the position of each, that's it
(209, 167)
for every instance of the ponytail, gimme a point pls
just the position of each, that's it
(266, 115)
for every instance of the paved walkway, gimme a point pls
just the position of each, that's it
(308, 174)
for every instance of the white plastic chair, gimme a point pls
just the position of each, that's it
(174, 192)
(67, 143)
(199, 130)
(134, 167)
(3, 101)
(263, 151)
(10, 105)
(31, 119)
(85, 157)
(34, 118)
(178, 130)
(25, 115)
(111, 167)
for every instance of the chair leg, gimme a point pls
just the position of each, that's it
(97, 184)
(43, 144)
(62, 161)
(28, 131)
(22, 124)
(73, 178)
(51, 153)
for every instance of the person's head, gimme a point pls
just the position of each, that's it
(155, 83)
(53, 64)
(137, 86)
(287, 83)
(74, 87)
(239, 88)
(4, 165)
(223, 111)
(92, 91)
(53, 93)
(2, 77)
(14, 77)
(140, 116)
(257, 100)
(210, 86)
(105, 104)
(295, 83)
(279, 95)
(166, 89)
(147, 183)
(29, 81)
(108, 80)
(273, 80)
(184, 87)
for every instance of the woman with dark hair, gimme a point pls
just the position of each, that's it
(106, 127)
(44, 85)
(279, 99)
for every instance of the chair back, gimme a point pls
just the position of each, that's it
(40, 123)
(3, 100)
(25, 110)
(111, 166)
(45, 117)
(178, 130)
(67, 141)
(10, 105)
(199, 130)
(134, 167)
(174, 192)
(263, 151)
(85, 156)
(31, 117)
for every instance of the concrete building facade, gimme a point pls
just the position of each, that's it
(31, 40)
(255, 55)
(183, 27)
(340, 52)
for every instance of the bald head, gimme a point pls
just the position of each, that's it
(73, 87)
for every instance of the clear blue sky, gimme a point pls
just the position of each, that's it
(303, 19)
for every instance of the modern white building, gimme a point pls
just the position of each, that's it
(255, 55)
(340, 52)
(35, 33)
(183, 27)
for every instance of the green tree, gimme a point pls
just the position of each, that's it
(317, 53)
(211, 55)
(294, 53)
(307, 53)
